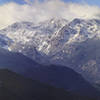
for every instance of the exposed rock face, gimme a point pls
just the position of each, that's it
(57, 41)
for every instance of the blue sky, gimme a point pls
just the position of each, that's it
(17, 1)
(91, 2)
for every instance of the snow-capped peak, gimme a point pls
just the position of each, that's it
(58, 41)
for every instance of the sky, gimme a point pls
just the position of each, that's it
(90, 2)
(12, 11)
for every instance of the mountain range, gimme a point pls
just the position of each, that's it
(57, 48)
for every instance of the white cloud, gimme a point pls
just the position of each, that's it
(39, 11)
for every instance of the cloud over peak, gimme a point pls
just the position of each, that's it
(39, 11)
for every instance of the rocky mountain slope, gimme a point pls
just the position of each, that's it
(55, 75)
(57, 41)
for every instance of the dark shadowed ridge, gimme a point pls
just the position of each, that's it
(58, 76)
(16, 87)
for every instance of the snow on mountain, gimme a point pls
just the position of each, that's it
(5, 42)
(73, 43)
(76, 31)
(28, 35)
